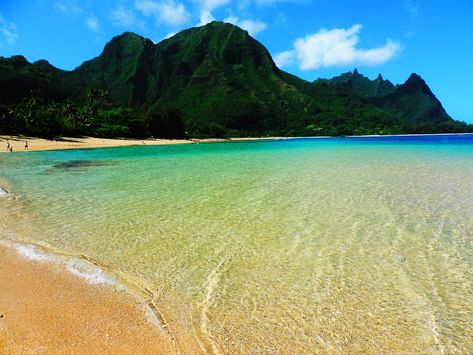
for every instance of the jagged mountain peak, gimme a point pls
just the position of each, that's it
(363, 85)
(414, 77)
(414, 84)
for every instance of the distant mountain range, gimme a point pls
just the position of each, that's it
(214, 80)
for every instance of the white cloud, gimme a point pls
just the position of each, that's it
(337, 47)
(69, 7)
(205, 17)
(284, 59)
(206, 8)
(92, 23)
(252, 26)
(8, 31)
(125, 17)
(169, 12)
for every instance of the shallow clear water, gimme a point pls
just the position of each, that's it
(352, 244)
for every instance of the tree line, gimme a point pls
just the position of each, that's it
(94, 116)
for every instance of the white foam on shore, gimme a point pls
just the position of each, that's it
(76, 266)
(31, 252)
(3, 192)
(93, 274)
(83, 269)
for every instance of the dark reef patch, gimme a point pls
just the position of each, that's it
(79, 164)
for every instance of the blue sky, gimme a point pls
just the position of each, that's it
(309, 38)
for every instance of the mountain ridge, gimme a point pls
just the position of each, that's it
(214, 80)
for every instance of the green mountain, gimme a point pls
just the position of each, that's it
(214, 80)
(361, 84)
(18, 78)
(413, 101)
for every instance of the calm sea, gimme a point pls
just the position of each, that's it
(304, 245)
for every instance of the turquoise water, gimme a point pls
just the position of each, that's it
(350, 244)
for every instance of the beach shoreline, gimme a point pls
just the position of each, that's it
(41, 144)
(48, 306)
(64, 143)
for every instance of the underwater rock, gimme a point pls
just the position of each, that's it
(77, 164)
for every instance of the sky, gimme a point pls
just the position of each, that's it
(308, 38)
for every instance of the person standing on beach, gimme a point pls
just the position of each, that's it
(26, 145)
(8, 146)
(11, 148)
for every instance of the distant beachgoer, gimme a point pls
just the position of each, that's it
(8, 146)
(26, 145)
(11, 149)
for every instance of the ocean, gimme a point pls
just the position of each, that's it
(278, 246)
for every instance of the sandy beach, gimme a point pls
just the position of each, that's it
(38, 144)
(44, 309)
(35, 144)
(56, 304)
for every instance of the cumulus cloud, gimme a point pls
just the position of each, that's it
(252, 26)
(206, 8)
(169, 12)
(284, 59)
(205, 17)
(337, 47)
(92, 23)
(8, 31)
(125, 17)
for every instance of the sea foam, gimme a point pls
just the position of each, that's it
(93, 274)
(3, 192)
(76, 266)
(31, 252)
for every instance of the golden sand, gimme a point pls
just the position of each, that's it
(44, 309)
(34, 143)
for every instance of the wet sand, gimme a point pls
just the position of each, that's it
(44, 309)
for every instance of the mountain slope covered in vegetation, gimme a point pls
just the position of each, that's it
(209, 81)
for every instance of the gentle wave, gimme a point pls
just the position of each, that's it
(86, 270)
(93, 274)
(32, 253)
